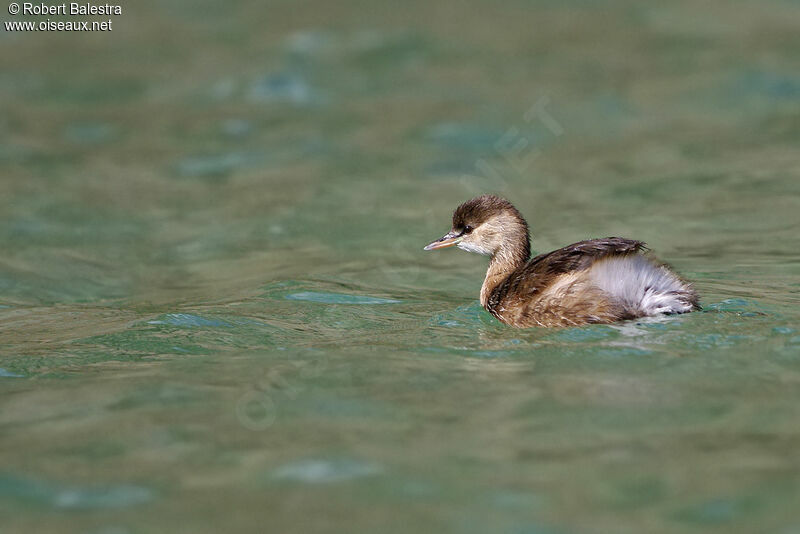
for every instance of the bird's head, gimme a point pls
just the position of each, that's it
(487, 225)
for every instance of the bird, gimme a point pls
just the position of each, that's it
(597, 281)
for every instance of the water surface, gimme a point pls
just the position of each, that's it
(215, 313)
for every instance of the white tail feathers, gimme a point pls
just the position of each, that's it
(643, 287)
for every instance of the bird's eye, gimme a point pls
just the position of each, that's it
(467, 229)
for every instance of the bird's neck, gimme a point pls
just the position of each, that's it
(506, 260)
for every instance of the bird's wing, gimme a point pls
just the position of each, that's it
(581, 255)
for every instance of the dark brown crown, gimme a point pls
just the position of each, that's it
(479, 209)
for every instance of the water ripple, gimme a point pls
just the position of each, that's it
(338, 298)
(321, 471)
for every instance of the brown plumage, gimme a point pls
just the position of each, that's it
(593, 281)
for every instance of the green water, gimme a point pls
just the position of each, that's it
(215, 313)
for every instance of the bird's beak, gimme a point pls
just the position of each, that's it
(448, 240)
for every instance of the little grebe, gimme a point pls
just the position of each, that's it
(594, 281)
